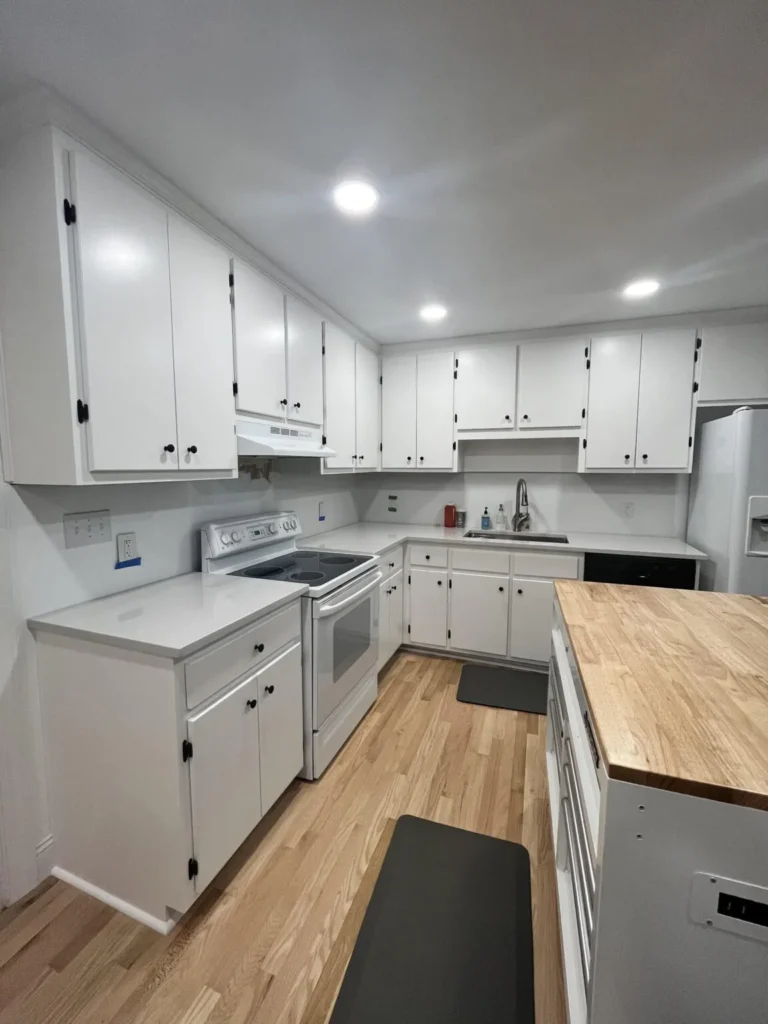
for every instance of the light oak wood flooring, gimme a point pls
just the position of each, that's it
(269, 940)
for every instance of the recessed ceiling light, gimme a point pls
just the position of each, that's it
(641, 289)
(356, 198)
(433, 312)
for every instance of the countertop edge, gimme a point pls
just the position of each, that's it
(40, 625)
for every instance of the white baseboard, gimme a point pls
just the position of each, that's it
(44, 857)
(158, 925)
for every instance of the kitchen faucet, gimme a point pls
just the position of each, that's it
(522, 518)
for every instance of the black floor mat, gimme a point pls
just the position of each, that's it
(516, 689)
(447, 936)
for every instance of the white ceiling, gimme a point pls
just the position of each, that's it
(532, 155)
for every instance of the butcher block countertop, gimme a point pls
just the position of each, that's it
(677, 683)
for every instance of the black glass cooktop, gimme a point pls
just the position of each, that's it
(312, 567)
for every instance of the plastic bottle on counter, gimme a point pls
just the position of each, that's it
(501, 518)
(485, 519)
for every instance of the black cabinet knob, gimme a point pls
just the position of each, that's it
(283, 401)
(258, 648)
(645, 456)
(169, 448)
(519, 591)
(427, 557)
(269, 689)
(408, 459)
(525, 417)
(421, 458)
(389, 592)
(439, 583)
(250, 704)
(192, 449)
(362, 457)
(506, 417)
(297, 405)
(394, 588)
(626, 457)
(391, 565)
(501, 590)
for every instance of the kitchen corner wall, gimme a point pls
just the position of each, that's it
(38, 574)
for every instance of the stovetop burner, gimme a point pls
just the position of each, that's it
(304, 566)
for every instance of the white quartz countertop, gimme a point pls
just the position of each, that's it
(172, 618)
(376, 538)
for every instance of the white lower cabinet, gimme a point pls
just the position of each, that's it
(428, 598)
(390, 616)
(531, 626)
(479, 612)
(149, 799)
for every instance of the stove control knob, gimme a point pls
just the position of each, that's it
(293, 524)
(273, 527)
(226, 539)
(236, 536)
(286, 525)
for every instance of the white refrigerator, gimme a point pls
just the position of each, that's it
(728, 507)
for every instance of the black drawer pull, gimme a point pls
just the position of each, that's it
(258, 648)
(269, 689)
(250, 704)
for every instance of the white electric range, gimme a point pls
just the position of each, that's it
(340, 620)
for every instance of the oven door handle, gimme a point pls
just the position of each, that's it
(329, 609)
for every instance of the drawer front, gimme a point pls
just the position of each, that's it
(471, 560)
(540, 563)
(208, 672)
(428, 554)
(392, 561)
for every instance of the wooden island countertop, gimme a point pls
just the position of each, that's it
(677, 684)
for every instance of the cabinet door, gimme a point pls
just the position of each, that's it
(398, 412)
(428, 598)
(224, 777)
(614, 380)
(395, 612)
(666, 397)
(259, 318)
(340, 397)
(434, 411)
(479, 612)
(281, 724)
(531, 632)
(551, 381)
(202, 349)
(125, 315)
(367, 407)
(485, 387)
(734, 364)
(304, 329)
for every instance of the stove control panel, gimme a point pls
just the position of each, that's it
(237, 535)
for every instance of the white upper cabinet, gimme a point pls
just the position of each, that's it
(664, 432)
(551, 384)
(202, 348)
(125, 321)
(434, 411)
(366, 407)
(398, 412)
(734, 365)
(485, 387)
(614, 380)
(340, 386)
(259, 319)
(304, 332)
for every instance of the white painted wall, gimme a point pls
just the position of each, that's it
(38, 574)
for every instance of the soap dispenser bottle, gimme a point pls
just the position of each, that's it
(501, 518)
(485, 519)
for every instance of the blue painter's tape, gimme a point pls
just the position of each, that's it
(321, 519)
(128, 564)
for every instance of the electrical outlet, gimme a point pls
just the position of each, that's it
(126, 547)
(629, 509)
(321, 511)
(84, 528)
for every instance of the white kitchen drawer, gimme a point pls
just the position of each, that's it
(553, 566)
(472, 560)
(208, 672)
(392, 561)
(429, 555)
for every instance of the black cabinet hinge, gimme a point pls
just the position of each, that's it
(231, 280)
(409, 629)
(586, 351)
(698, 343)
(381, 447)
(454, 446)
(192, 868)
(696, 356)
(450, 584)
(234, 387)
(381, 380)
(455, 417)
(323, 349)
(690, 442)
(449, 634)
(583, 414)
(324, 439)
(695, 387)
(70, 213)
(589, 363)
(82, 411)
(409, 580)
(584, 443)
(455, 374)
(186, 750)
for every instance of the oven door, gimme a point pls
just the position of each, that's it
(345, 643)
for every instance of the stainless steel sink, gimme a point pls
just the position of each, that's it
(533, 538)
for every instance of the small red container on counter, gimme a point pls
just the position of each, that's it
(449, 516)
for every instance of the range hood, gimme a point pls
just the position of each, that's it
(269, 440)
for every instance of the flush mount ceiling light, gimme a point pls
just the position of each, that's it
(355, 198)
(433, 313)
(641, 289)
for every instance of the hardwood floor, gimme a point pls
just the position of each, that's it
(269, 940)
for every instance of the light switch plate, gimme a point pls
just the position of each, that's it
(84, 528)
